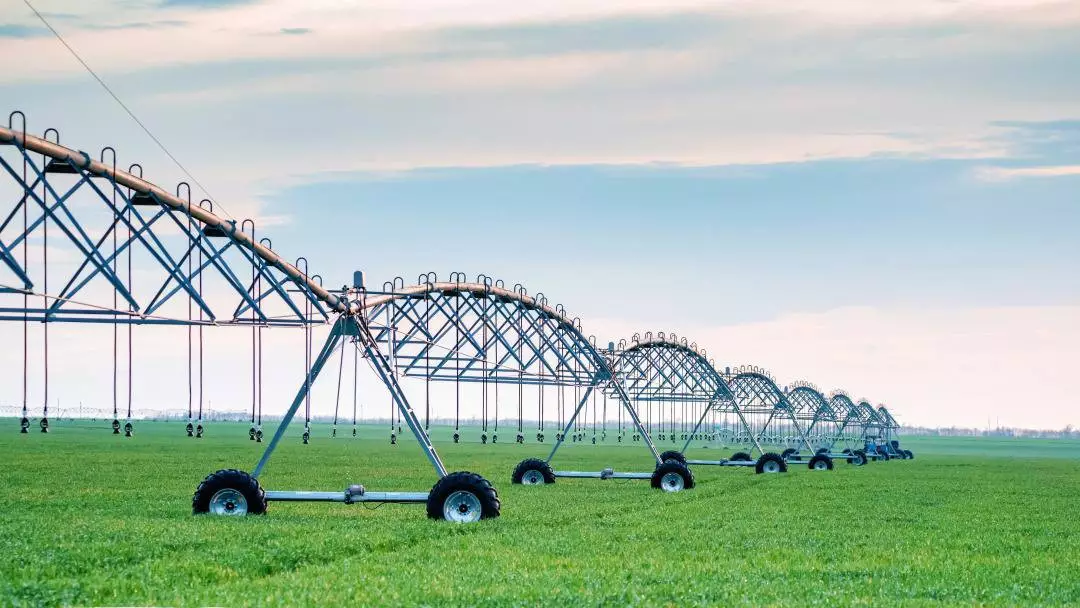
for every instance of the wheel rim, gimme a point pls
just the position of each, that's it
(820, 465)
(771, 467)
(462, 507)
(532, 478)
(672, 482)
(228, 502)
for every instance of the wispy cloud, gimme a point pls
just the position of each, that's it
(12, 30)
(204, 3)
(296, 31)
(135, 25)
(999, 174)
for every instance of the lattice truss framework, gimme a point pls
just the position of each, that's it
(822, 422)
(853, 423)
(890, 426)
(195, 267)
(126, 251)
(666, 369)
(873, 424)
(480, 331)
(770, 415)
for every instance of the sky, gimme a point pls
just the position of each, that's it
(877, 196)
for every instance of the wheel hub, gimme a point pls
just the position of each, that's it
(228, 502)
(672, 482)
(771, 467)
(462, 507)
(532, 478)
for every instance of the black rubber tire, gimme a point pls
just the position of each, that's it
(229, 479)
(821, 458)
(532, 464)
(910, 455)
(741, 456)
(846, 451)
(759, 468)
(884, 457)
(858, 458)
(469, 482)
(822, 451)
(673, 455)
(788, 453)
(673, 466)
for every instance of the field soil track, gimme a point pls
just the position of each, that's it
(94, 519)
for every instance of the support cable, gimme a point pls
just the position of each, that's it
(116, 98)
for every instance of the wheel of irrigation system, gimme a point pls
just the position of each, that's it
(532, 472)
(24, 425)
(788, 453)
(229, 492)
(910, 455)
(846, 451)
(822, 451)
(857, 458)
(463, 498)
(884, 457)
(673, 455)
(821, 462)
(770, 462)
(672, 476)
(740, 456)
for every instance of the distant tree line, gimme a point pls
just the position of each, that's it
(1069, 432)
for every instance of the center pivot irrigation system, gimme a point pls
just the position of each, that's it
(142, 255)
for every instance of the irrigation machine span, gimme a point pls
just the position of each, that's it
(142, 255)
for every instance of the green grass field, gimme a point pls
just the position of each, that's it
(93, 519)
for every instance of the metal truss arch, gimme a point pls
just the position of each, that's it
(665, 368)
(756, 390)
(480, 331)
(70, 191)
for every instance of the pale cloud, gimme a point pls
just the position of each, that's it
(337, 29)
(935, 367)
(397, 85)
(931, 367)
(1000, 174)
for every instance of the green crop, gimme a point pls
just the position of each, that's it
(89, 518)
